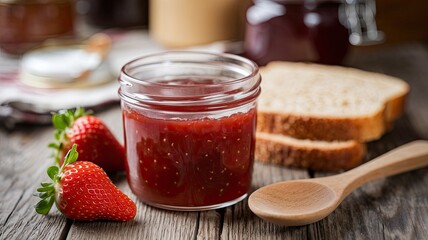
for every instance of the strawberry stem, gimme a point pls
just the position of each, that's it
(71, 157)
(62, 121)
(47, 190)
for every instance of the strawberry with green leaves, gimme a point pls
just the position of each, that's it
(96, 142)
(82, 191)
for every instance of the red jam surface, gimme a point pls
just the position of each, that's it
(189, 163)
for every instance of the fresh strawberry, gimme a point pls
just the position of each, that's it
(83, 191)
(96, 142)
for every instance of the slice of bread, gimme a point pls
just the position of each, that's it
(309, 154)
(317, 102)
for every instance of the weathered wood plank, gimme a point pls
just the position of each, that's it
(23, 160)
(391, 208)
(241, 223)
(149, 223)
(210, 223)
(383, 209)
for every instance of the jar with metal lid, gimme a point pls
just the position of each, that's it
(26, 23)
(189, 123)
(308, 30)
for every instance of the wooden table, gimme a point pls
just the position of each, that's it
(391, 208)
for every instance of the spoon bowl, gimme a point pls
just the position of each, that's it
(301, 202)
(294, 202)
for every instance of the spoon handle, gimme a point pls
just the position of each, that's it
(405, 158)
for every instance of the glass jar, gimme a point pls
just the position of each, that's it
(308, 30)
(187, 23)
(113, 13)
(25, 24)
(189, 122)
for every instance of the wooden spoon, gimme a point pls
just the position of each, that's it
(99, 43)
(301, 202)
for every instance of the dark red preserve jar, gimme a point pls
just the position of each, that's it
(25, 24)
(308, 30)
(114, 13)
(189, 122)
(296, 30)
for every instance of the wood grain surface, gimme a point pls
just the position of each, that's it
(391, 208)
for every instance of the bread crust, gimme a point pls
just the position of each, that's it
(328, 129)
(360, 128)
(319, 158)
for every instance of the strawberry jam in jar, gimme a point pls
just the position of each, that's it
(189, 122)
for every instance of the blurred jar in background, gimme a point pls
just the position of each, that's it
(114, 13)
(26, 23)
(309, 30)
(188, 23)
(296, 30)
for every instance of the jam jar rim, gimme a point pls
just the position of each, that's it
(210, 101)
